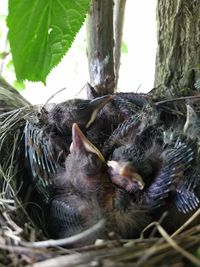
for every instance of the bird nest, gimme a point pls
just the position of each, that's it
(23, 244)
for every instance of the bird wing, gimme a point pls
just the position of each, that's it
(122, 131)
(64, 219)
(139, 100)
(186, 199)
(125, 106)
(39, 156)
(176, 162)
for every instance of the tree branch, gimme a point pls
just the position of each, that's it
(100, 46)
(119, 10)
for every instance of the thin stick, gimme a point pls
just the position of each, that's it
(182, 251)
(161, 219)
(68, 240)
(59, 91)
(190, 220)
(19, 249)
(80, 90)
(176, 99)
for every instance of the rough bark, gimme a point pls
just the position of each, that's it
(100, 46)
(118, 23)
(178, 52)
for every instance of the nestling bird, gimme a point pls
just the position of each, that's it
(83, 193)
(149, 174)
(121, 107)
(130, 129)
(159, 174)
(83, 112)
(47, 140)
(138, 99)
(145, 175)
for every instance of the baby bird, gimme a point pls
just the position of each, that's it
(130, 129)
(121, 107)
(150, 174)
(159, 174)
(83, 112)
(83, 193)
(47, 140)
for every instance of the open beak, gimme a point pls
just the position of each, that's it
(80, 142)
(126, 170)
(96, 105)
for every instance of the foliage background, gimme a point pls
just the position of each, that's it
(137, 62)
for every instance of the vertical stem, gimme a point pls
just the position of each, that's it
(100, 46)
(119, 10)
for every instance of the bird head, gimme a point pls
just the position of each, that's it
(125, 175)
(80, 111)
(85, 112)
(95, 106)
(79, 190)
(85, 166)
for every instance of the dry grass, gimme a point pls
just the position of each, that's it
(21, 242)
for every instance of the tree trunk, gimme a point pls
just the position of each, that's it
(100, 46)
(178, 52)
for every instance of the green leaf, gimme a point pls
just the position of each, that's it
(124, 48)
(41, 32)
